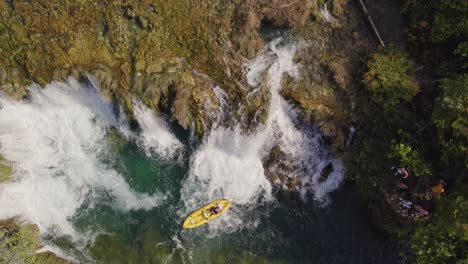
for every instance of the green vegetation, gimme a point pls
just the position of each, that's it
(452, 214)
(432, 245)
(418, 121)
(19, 247)
(389, 77)
(450, 20)
(168, 54)
(5, 170)
(409, 158)
(450, 116)
(18, 244)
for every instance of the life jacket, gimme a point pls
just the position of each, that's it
(438, 189)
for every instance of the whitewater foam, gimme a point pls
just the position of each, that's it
(54, 140)
(325, 13)
(231, 160)
(156, 136)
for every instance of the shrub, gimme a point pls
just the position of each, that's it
(450, 116)
(450, 20)
(390, 79)
(430, 244)
(409, 158)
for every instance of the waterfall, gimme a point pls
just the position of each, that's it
(58, 142)
(55, 140)
(156, 137)
(231, 160)
(325, 13)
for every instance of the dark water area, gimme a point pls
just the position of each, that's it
(289, 230)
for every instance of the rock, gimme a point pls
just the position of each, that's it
(338, 7)
(279, 170)
(5, 170)
(23, 241)
(169, 55)
(326, 172)
(341, 73)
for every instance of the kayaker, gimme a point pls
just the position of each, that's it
(216, 209)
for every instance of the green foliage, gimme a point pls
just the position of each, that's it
(462, 50)
(19, 247)
(452, 214)
(435, 127)
(450, 116)
(430, 244)
(409, 158)
(450, 20)
(5, 170)
(451, 108)
(389, 77)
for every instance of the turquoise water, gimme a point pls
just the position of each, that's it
(288, 230)
(100, 192)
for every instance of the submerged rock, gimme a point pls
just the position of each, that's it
(280, 170)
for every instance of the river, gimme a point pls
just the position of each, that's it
(101, 190)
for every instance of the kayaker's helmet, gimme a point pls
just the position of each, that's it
(218, 208)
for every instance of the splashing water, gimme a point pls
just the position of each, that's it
(231, 160)
(156, 137)
(325, 13)
(55, 141)
(59, 143)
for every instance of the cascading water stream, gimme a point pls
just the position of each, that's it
(56, 141)
(231, 160)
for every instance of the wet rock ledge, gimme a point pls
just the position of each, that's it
(170, 54)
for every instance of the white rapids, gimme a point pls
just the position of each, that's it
(55, 141)
(231, 160)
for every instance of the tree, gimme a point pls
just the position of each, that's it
(450, 20)
(409, 158)
(452, 215)
(450, 116)
(390, 79)
(430, 244)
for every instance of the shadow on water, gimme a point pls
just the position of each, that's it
(298, 232)
(339, 233)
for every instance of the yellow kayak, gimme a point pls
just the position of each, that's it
(206, 214)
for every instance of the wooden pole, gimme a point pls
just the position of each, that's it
(369, 19)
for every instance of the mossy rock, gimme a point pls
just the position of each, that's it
(6, 170)
(138, 49)
(116, 140)
(19, 244)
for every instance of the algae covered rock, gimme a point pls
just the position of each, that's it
(325, 92)
(5, 170)
(170, 54)
(18, 244)
(136, 49)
